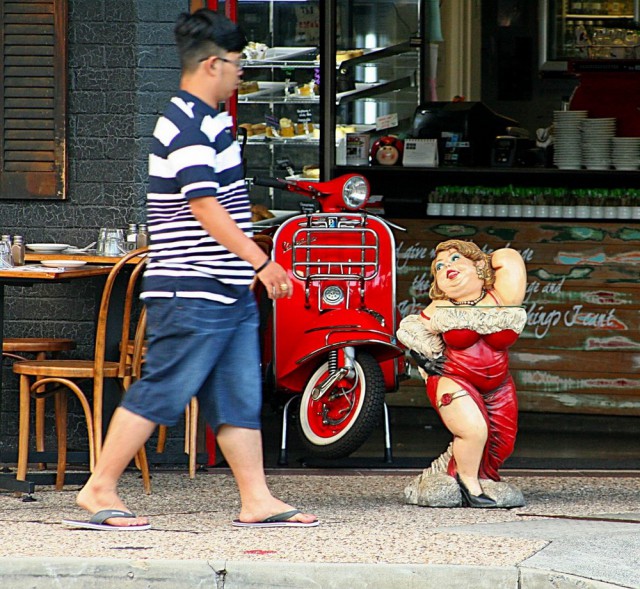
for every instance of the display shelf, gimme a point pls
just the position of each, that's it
(406, 190)
(363, 91)
(566, 34)
(295, 140)
(286, 57)
(598, 16)
(372, 55)
(276, 92)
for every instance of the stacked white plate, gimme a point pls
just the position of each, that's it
(567, 154)
(625, 153)
(596, 142)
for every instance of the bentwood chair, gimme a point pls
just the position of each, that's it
(42, 348)
(61, 376)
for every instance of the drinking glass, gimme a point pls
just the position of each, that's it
(111, 242)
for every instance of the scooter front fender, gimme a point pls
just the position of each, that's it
(295, 371)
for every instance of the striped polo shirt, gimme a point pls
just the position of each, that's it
(193, 154)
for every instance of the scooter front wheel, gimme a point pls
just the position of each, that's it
(340, 421)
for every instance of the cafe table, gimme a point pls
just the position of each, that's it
(35, 273)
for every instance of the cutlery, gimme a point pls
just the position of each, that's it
(77, 250)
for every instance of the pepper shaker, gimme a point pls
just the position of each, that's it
(17, 250)
(143, 235)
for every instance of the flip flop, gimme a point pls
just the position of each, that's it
(97, 522)
(280, 520)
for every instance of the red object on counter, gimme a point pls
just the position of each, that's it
(609, 89)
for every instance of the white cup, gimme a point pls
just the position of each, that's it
(489, 210)
(462, 209)
(434, 209)
(555, 211)
(542, 211)
(515, 211)
(448, 209)
(502, 210)
(583, 212)
(475, 210)
(624, 212)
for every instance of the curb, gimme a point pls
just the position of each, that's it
(78, 573)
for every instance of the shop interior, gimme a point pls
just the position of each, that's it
(511, 60)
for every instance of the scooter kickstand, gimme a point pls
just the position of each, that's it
(283, 458)
(388, 458)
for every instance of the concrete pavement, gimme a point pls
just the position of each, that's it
(577, 530)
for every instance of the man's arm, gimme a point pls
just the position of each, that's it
(217, 222)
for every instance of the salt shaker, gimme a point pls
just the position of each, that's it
(17, 250)
(132, 236)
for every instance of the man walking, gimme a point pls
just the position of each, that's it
(202, 317)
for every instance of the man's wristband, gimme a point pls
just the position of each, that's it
(266, 263)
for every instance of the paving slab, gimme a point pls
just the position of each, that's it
(601, 550)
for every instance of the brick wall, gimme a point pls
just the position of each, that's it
(122, 68)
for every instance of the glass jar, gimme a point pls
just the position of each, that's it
(6, 259)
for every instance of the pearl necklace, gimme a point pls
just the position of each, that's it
(470, 303)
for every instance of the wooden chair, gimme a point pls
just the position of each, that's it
(41, 348)
(65, 376)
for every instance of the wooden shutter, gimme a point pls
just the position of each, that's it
(33, 101)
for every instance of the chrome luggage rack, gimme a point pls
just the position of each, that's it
(352, 254)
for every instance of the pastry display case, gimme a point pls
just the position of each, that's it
(283, 104)
(587, 30)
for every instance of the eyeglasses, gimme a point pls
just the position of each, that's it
(239, 64)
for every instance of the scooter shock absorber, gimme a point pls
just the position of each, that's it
(333, 361)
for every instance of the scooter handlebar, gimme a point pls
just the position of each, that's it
(270, 182)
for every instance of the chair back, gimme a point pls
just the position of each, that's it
(108, 307)
(139, 343)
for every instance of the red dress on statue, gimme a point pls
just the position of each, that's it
(476, 342)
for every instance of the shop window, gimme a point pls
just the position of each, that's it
(33, 102)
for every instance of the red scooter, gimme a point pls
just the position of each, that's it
(332, 345)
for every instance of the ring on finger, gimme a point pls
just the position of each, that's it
(284, 286)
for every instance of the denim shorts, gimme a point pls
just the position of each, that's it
(204, 349)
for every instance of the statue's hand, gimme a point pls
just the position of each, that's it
(432, 366)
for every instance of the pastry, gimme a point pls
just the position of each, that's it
(348, 54)
(258, 129)
(306, 89)
(303, 128)
(311, 172)
(260, 213)
(342, 130)
(255, 50)
(286, 128)
(248, 87)
(247, 128)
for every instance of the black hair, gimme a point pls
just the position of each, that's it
(204, 33)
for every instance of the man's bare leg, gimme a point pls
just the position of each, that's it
(127, 433)
(242, 449)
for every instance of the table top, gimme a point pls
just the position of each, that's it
(39, 272)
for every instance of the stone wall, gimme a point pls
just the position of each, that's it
(122, 68)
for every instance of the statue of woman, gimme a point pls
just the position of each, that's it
(461, 342)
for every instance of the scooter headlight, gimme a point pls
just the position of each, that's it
(355, 192)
